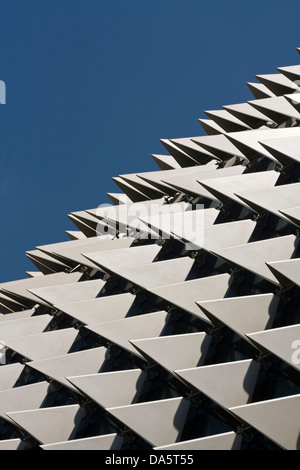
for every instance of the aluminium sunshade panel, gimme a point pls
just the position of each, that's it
(219, 145)
(249, 142)
(184, 295)
(124, 215)
(166, 226)
(225, 189)
(75, 234)
(120, 332)
(217, 236)
(278, 109)
(17, 314)
(94, 443)
(50, 425)
(11, 305)
(9, 375)
(191, 184)
(43, 345)
(23, 398)
(273, 200)
(224, 441)
(86, 230)
(245, 314)
(85, 222)
(175, 351)
(285, 149)
(293, 214)
(13, 444)
(229, 384)
(248, 114)
(200, 155)
(292, 72)
(99, 310)
(278, 83)
(227, 121)
(156, 274)
(210, 127)
(287, 272)
(165, 162)
(75, 254)
(69, 292)
(254, 256)
(119, 198)
(157, 178)
(150, 191)
(183, 159)
(24, 326)
(282, 342)
(162, 427)
(81, 362)
(45, 263)
(34, 273)
(21, 289)
(259, 90)
(125, 257)
(278, 419)
(134, 194)
(111, 389)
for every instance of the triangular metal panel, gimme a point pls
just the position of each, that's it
(285, 150)
(287, 272)
(272, 199)
(293, 214)
(210, 127)
(105, 442)
(192, 185)
(77, 363)
(23, 398)
(9, 374)
(259, 90)
(120, 332)
(69, 292)
(292, 72)
(185, 294)
(43, 345)
(176, 351)
(277, 108)
(225, 189)
(229, 384)
(224, 441)
(100, 310)
(50, 425)
(248, 114)
(277, 419)
(218, 236)
(283, 342)
(157, 274)
(21, 288)
(244, 314)
(125, 257)
(24, 326)
(278, 83)
(112, 389)
(254, 256)
(165, 162)
(165, 419)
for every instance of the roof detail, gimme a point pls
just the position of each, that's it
(170, 318)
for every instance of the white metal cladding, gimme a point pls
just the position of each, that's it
(170, 320)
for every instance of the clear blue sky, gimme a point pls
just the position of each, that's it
(93, 85)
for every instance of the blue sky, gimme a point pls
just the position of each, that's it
(93, 85)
